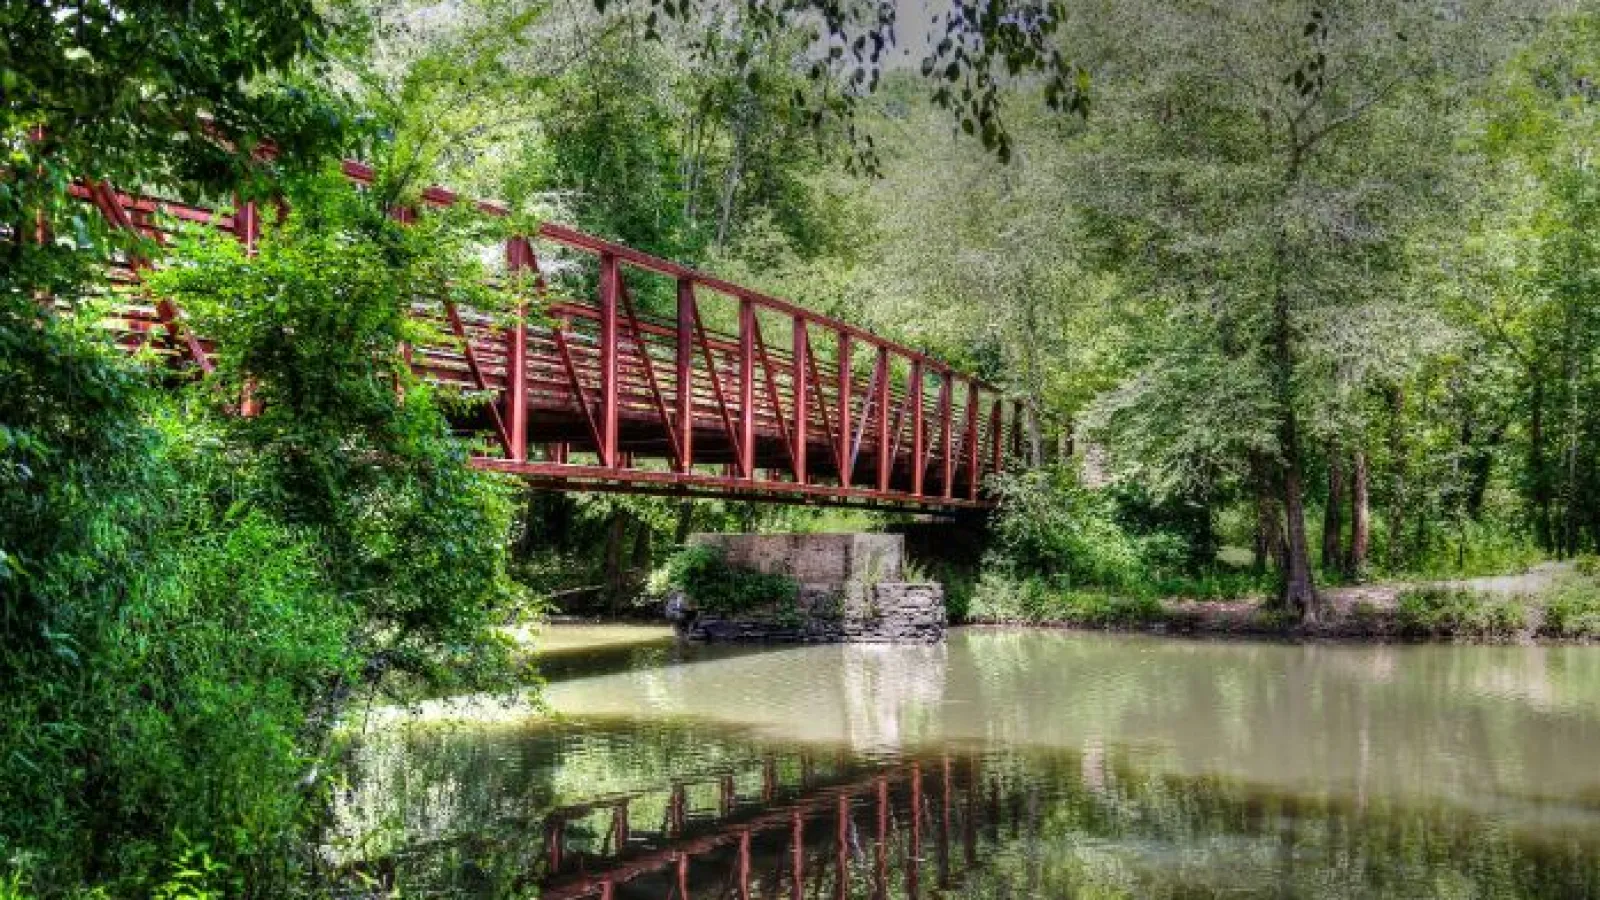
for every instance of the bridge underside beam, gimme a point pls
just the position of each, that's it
(577, 477)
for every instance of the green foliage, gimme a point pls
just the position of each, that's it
(348, 442)
(1472, 549)
(1033, 599)
(190, 596)
(1049, 523)
(147, 94)
(1572, 609)
(713, 586)
(1452, 612)
(168, 664)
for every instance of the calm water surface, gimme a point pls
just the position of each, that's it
(1007, 763)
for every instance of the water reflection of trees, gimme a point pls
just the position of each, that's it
(1492, 727)
(693, 812)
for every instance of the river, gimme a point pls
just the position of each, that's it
(1005, 763)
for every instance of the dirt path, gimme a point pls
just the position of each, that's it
(1385, 596)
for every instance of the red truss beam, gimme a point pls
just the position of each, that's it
(624, 400)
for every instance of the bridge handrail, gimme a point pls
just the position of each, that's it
(441, 197)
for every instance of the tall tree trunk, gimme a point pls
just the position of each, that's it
(640, 564)
(735, 173)
(616, 532)
(1360, 518)
(1480, 468)
(1035, 434)
(1299, 593)
(1538, 466)
(1569, 519)
(1397, 488)
(1027, 341)
(1332, 517)
(1298, 590)
(680, 534)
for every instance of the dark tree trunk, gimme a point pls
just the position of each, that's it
(1298, 591)
(616, 532)
(685, 525)
(1360, 518)
(640, 564)
(1332, 514)
(1035, 434)
(1480, 466)
(1269, 542)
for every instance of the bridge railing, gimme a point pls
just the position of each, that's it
(785, 404)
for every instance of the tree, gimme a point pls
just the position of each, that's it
(1273, 159)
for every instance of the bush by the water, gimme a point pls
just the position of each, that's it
(1071, 554)
(998, 598)
(1573, 607)
(704, 575)
(188, 598)
(1452, 612)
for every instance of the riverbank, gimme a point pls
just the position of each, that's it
(1549, 602)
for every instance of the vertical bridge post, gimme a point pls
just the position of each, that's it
(846, 419)
(947, 400)
(969, 441)
(919, 436)
(799, 396)
(885, 462)
(519, 260)
(747, 388)
(685, 366)
(610, 288)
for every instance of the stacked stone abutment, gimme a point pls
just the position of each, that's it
(851, 588)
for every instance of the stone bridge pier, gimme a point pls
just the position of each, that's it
(852, 588)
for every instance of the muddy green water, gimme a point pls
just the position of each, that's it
(1007, 763)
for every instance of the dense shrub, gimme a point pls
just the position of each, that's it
(187, 597)
(998, 598)
(1572, 609)
(1470, 549)
(1063, 553)
(703, 574)
(1450, 612)
(1049, 523)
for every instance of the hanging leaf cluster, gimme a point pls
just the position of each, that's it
(980, 44)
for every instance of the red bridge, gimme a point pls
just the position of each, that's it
(736, 395)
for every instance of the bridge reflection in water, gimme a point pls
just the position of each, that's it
(828, 831)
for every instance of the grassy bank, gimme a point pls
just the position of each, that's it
(1564, 606)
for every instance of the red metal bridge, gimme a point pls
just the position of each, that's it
(735, 394)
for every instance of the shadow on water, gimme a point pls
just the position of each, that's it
(1015, 766)
(572, 663)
